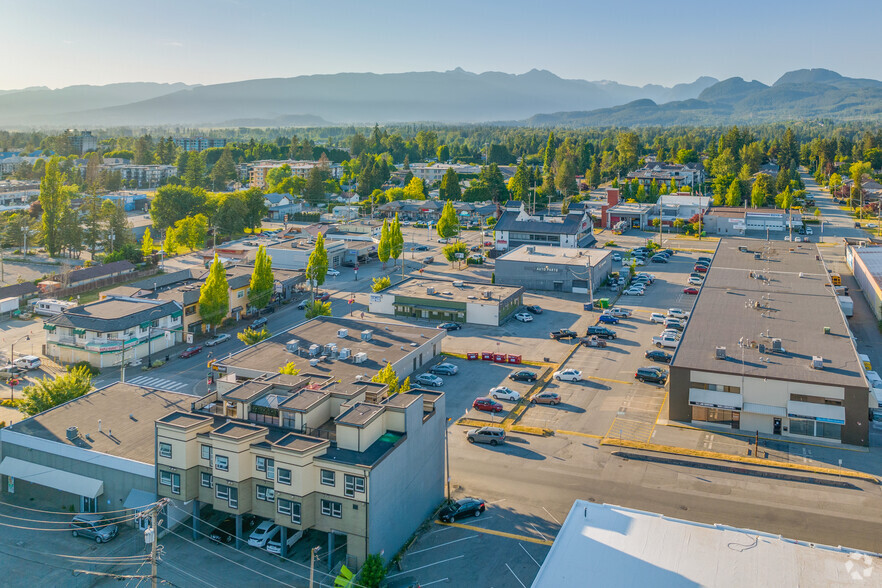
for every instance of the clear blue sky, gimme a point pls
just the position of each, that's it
(59, 43)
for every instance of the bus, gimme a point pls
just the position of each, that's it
(836, 279)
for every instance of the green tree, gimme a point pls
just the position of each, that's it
(451, 250)
(314, 190)
(146, 244)
(381, 283)
(191, 232)
(54, 200)
(405, 386)
(231, 212)
(170, 245)
(118, 229)
(415, 189)
(46, 393)
(373, 572)
(448, 224)
(785, 199)
(317, 266)
(91, 211)
(387, 376)
(443, 153)
(289, 369)
(317, 308)
(396, 239)
(262, 280)
(450, 189)
(384, 247)
(565, 178)
(724, 164)
(761, 190)
(250, 336)
(224, 171)
(71, 232)
(172, 203)
(194, 177)
(594, 174)
(550, 152)
(519, 184)
(856, 170)
(733, 195)
(214, 295)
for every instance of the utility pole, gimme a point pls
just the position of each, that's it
(312, 553)
(153, 562)
(151, 537)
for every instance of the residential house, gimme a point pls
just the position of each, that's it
(516, 227)
(688, 174)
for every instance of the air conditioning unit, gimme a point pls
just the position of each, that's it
(314, 349)
(292, 346)
(360, 357)
(762, 347)
(721, 353)
(343, 333)
(345, 352)
(430, 290)
(776, 345)
(359, 378)
(817, 362)
(367, 335)
(313, 362)
(330, 348)
(457, 284)
(72, 433)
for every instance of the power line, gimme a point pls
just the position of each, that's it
(187, 574)
(106, 519)
(57, 512)
(68, 530)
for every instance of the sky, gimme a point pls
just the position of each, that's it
(58, 43)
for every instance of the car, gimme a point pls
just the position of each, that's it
(274, 544)
(675, 326)
(302, 304)
(429, 380)
(449, 326)
(225, 532)
(492, 435)
(601, 332)
(616, 257)
(504, 393)
(659, 259)
(568, 375)
(632, 291)
(608, 319)
(488, 243)
(618, 312)
(872, 225)
(697, 276)
(638, 261)
(93, 526)
(678, 313)
(524, 317)
(552, 398)
(333, 272)
(258, 323)
(700, 268)
(694, 281)
(444, 369)
(651, 374)
(563, 334)
(690, 290)
(704, 258)
(657, 317)
(323, 296)
(9, 370)
(464, 507)
(443, 241)
(593, 341)
(218, 340)
(666, 340)
(475, 248)
(486, 405)
(421, 248)
(523, 376)
(671, 333)
(535, 309)
(27, 362)
(262, 533)
(798, 239)
(191, 351)
(857, 225)
(669, 252)
(658, 355)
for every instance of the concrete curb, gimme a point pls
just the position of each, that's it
(763, 437)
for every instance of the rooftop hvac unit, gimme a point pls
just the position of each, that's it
(457, 284)
(531, 249)
(430, 289)
(72, 433)
(359, 378)
(487, 295)
(762, 347)
(360, 357)
(721, 353)
(293, 345)
(343, 333)
(314, 349)
(367, 335)
(330, 348)
(313, 362)
(817, 362)
(776, 345)
(345, 353)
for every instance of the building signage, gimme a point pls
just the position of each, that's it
(503, 241)
(712, 405)
(545, 268)
(376, 297)
(814, 418)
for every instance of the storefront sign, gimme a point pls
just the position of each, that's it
(818, 419)
(711, 405)
(545, 268)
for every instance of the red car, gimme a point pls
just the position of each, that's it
(488, 243)
(486, 405)
(700, 268)
(191, 351)
(323, 296)
(690, 290)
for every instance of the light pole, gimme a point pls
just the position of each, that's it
(24, 247)
(447, 455)
(12, 347)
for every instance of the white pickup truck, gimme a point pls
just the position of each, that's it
(666, 341)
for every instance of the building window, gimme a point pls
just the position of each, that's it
(206, 452)
(222, 463)
(228, 493)
(715, 387)
(240, 293)
(265, 464)
(332, 509)
(815, 429)
(165, 450)
(328, 478)
(284, 506)
(717, 416)
(284, 476)
(190, 310)
(352, 484)
(207, 480)
(222, 492)
(170, 479)
(265, 493)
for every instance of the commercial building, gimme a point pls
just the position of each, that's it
(199, 143)
(441, 300)
(632, 214)
(294, 255)
(688, 174)
(866, 265)
(516, 227)
(671, 207)
(767, 349)
(142, 176)
(110, 331)
(92, 454)
(431, 173)
(606, 545)
(559, 269)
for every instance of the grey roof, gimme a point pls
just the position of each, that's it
(360, 414)
(571, 224)
(163, 280)
(276, 198)
(100, 271)
(112, 314)
(795, 305)
(17, 290)
(368, 458)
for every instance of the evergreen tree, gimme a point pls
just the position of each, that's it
(519, 184)
(262, 280)
(733, 195)
(384, 247)
(594, 173)
(71, 231)
(223, 171)
(396, 239)
(214, 295)
(314, 191)
(170, 245)
(194, 177)
(91, 209)
(761, 190)
(448, 224)
(146, 245)
(550, 149)
(450, 189)
(54, 200)
(317, 266)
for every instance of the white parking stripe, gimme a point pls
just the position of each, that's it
(516, 576)
(441, 545)
(430, 565)
(160, 383)
(528, 554)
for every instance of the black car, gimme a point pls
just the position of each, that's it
(602, 332)
(258, 323)
(534, 309)
(659, 259)
(651, 374)
(669, 252)
(475, 248)
(450, 326)
(658, 355)
(464, 507)
(421, 248)
(226, 531)
(523, 376)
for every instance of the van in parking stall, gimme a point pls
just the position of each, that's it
(27, 362)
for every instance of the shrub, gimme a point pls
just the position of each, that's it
(93, 371)
(609, 244)
(381, 283)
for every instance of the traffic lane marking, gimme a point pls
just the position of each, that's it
(498, 533)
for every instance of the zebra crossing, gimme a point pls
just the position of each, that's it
(160, 383)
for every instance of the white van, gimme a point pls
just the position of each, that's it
(27, 362)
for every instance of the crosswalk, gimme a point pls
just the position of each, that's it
(160, 383)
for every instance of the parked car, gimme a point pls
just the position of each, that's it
(492, 435)
(672, 332)
(93, 526)
(552, 398)
(191, 351)
(534, 309)
(443, 241)
(563, 334)
(616, 257)
(464, 507)
(486, 405)
(225, 532)
(678, 313)
(618, 312)
(421, 248)
(658, 355)
(651, 374)
(504, 393)
(524, 317)
(27, 362)
(608, 319)
(695, 281)
(697, 276)
(429, 380)
(323, 296)
(602, 332)
(657, 317)
(444, 369)
(659, 259)
(475, 248)
(9, 370)
(704, 258)
(634, 291)
(302, 304)
(259, 323)
(568, 375)
(260, 535)
(274, 545)
(700, 268)
(666, 341)
(646, 275)
(690, 290)
(218, 340)
(523, 376)
(450, 326)
(593, 341)
(674, 325)
(333, 272)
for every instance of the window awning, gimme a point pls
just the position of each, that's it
(139, 499)
(775, 411)
(825, 413)
(51, 478)
(714, 399)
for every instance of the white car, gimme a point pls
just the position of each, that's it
(333, 272)
(444, 241)
(217, 340)
(524, 317)
(678, 313)
(871, 225)
(808, 231)
(786, 237)
(569, 375)
(693, 281)
(429, 380)
(504, 393)
(666, 341)
(671, 332)
(636, 261)
(618, 312)
(262, 534)
(274, 545)
(632, 291)
(657, 317)
(616, 257)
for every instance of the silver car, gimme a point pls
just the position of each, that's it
(492, 435)
(93, 526)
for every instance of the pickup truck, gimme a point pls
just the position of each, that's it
(563, 334)
(666, 341)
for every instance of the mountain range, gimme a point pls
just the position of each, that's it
(536, 98)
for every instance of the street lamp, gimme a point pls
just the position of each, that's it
(24, 247)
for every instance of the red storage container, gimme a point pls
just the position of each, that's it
(486, 356)
(514, 359)
(471, 356)
(499, 358)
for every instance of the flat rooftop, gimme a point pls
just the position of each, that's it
(359, 414)
(390, 342)
(558, 255)
(616, 546)
(472, 292)
(871, 258)
(127, 414)
(788, 298)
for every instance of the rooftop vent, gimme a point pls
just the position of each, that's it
(367, 335)
(430, 289)
(72, 433)
(776, 345)
(721, 353)
(487, 295)
(343, 333)
(817, 362)
(531, 249)
(457, 284)
(293, 345)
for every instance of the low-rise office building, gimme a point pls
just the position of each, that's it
(294, 254)
(559, 269)
(767, 349)
(516, 227)
(866, 265)
(441, 300)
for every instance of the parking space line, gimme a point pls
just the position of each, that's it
(528, 554)
(516, 576)
(441, 545)
(609, 380)
(498, 533)
(551, 515)
(538, 532)
(577, 433)
(436, 582)
(427, 566)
